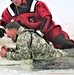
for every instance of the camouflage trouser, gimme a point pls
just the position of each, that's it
(52, 53)
(44, 51)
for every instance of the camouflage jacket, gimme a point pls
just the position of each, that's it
(29, 45)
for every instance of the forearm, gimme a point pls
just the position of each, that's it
(12, 56)
(46, 15)
(17, 54)
(45, 24)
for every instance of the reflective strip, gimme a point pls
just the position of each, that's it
(33, 6)
(11, 11)
(12, 20)
(2, 27)
(40, 33)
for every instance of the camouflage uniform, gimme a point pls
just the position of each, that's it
(31, 46)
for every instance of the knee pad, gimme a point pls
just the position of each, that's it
(63, 42)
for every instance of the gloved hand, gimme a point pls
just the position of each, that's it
(39, 33)
(2, 31)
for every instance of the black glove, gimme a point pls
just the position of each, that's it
(39, 33)
(2, 31)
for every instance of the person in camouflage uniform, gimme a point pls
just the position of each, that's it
(29, 45)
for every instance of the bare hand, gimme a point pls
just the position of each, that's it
(4, 47)
(3, 51)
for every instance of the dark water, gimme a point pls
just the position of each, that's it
(60, 63)
(66, 62)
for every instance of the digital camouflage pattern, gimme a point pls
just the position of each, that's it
(29, 45)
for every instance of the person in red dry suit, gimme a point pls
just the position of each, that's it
(34, 14)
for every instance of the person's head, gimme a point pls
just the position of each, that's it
(18, 2)
(11, 29)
